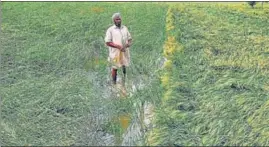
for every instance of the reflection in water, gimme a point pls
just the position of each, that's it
(124, 119)
(129, 125)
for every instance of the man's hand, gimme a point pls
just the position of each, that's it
(111, 44)
(129, 43)
(121, 48)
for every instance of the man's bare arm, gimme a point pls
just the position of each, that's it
(111, 44)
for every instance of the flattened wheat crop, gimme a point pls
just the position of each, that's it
(54, 70)
(218, 91)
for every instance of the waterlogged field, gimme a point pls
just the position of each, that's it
(54, 74)
(212, 90)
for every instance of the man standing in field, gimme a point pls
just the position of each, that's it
(118, 39)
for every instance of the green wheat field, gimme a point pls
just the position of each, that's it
(212, 89)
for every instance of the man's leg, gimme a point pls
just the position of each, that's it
(123, 90)
(124, 75)
(124, 70)
(114, 75)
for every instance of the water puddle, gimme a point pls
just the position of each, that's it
(129, 123)
(126, 128)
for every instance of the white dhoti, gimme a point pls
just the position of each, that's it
(119, 59)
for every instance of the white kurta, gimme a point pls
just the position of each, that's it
(118, 36)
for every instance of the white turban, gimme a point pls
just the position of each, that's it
(115, 15)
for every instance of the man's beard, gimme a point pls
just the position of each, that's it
(118, 24)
